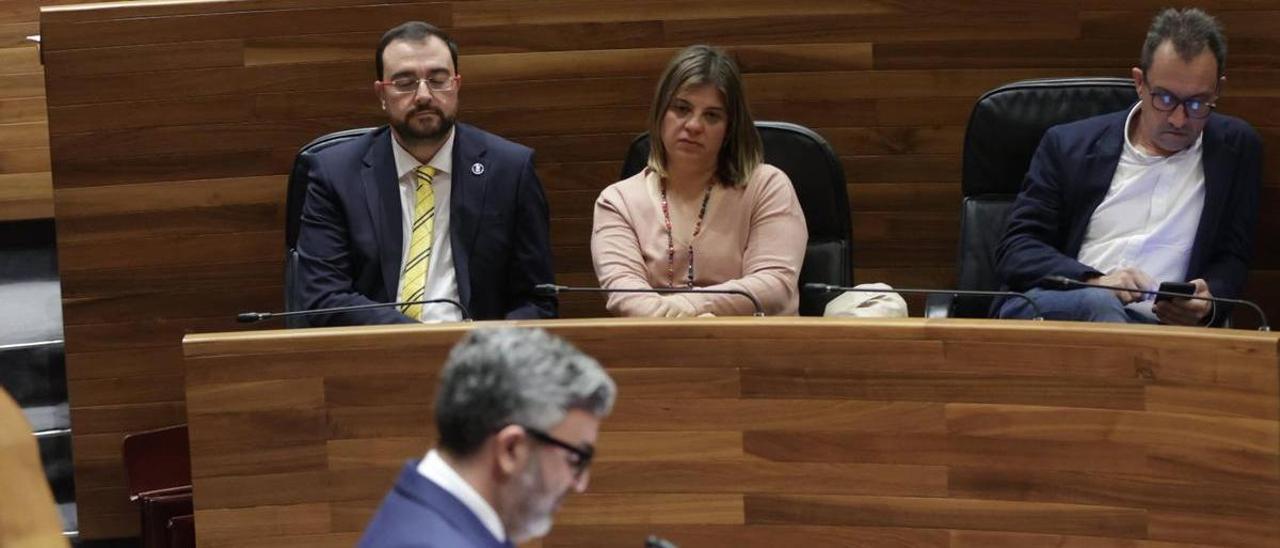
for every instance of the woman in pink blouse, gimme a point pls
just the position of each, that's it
(706, 212)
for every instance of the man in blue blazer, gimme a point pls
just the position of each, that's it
(424, 208)
(518, 412)
(1166, 191)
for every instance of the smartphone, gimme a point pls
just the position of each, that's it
(1184, 288)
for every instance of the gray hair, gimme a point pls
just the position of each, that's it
(497, 377)
(1191, 31)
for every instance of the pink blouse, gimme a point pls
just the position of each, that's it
(753, 239)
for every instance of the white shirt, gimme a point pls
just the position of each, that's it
(1149, 217)
(442, 281)
(437, 471)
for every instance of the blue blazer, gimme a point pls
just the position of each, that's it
(1070, 174)
(417, 513)
(350, 237)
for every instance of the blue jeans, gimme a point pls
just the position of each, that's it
(1087, 304)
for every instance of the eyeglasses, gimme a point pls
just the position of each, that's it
(1167, 102)
(410, 84)
(580, 457)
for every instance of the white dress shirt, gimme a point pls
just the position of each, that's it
(437, 471)
(442, 281)
(1149, 216)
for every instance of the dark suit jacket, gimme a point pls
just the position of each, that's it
(417, 513)
(1070, 174)
(350, 237)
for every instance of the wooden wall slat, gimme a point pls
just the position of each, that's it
(952, 513)
(579, 11)
(26, 190)
(235, 24)
(148, 58)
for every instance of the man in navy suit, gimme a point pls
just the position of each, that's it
(424, 208)
(1165, 191)
(517, 412)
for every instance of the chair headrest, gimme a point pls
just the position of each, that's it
(1007, 123)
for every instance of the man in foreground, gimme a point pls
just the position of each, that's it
(517, 413)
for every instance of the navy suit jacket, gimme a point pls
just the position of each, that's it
(351, 237)
(1070, 174)
(417, 513)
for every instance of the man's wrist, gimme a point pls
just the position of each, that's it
(1213, 313)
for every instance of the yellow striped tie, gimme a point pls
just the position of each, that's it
(413, 281)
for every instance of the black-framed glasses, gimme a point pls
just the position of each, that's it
(1166, 102)
(410, 84)
(580, 457)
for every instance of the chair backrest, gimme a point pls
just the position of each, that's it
(1004, 130)
(157, 461)
(818, 177)
(297, 196)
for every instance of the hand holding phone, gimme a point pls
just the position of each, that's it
(1183, 288)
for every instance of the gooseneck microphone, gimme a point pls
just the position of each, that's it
(251, 317)
(655, 541)
(553, 289)
(1063, 282)
(828, 288)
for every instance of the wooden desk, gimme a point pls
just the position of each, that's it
(771, 432)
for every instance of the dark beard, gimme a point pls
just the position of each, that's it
(410, 135)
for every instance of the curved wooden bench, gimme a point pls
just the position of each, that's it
(760, 432)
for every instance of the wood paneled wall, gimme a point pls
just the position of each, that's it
(25, 188)
(172, 126)
(808, 432)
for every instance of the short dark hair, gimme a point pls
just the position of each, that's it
(413, 31)
(1191, 30)
(528, 377)
(697, 65)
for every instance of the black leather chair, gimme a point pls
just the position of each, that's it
(293, 215)
(1003, 132)
(818, 178)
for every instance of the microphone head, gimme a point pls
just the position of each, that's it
(655, 541)
(546, 289)
(818, 288)
(250, 317)
(1059, 282)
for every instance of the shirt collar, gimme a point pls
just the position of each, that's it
(1136, 152)
(406, 163)
(434, 468)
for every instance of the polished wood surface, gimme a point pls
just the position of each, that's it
(764, 432)
(172, 126)
(26, 188)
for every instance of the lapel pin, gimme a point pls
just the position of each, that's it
(477, 169)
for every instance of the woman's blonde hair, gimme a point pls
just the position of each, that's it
(741, 151)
